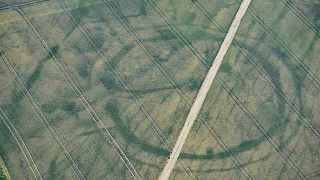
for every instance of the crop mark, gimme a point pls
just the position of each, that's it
(286, 48)
(213, 133)
(142, 45)
(63, 69)
(291, 53)
(258, 125)
(131, 32)
(112, 108)
(127, 89)
(203, 91)
(264, 73)
(255, 64)
(178, 33)
(301, 115)
(234, 160)
(261, 128)
(43, 118)
(177, 88)
(21, 144)
(271, 33)
(225, 148)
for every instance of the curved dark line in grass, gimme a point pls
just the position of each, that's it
(207, 170)
(112, 109)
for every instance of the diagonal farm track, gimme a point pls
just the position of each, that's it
(204, 89)
(258, 67)
(238, 102)
(189, 163)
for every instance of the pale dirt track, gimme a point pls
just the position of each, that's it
(196, 106)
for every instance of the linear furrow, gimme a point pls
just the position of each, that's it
(43, 118)
(84, 101)
(306, 121)
(23, 147)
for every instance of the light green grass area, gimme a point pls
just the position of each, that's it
(135, 67)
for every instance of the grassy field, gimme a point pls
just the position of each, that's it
(101, 89)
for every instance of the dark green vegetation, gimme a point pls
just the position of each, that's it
(136, 66)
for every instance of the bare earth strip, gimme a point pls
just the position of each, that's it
(4, 170)
(196, 106)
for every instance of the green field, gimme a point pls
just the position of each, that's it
(101, 89)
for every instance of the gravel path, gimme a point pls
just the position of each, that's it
(196, 106)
